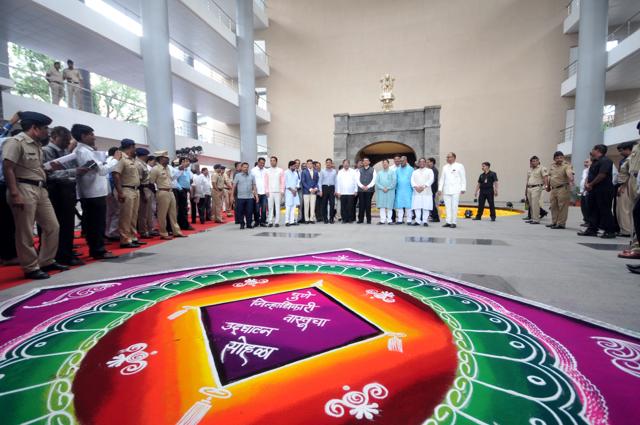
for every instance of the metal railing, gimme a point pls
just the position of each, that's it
(260, 53)
(208, 135)
(571, 69)
(625, 29)
(566, 135)
(629, 112)
(261, 101)
(35, 85)
(261, 4)
(220, 15)
(572, 6)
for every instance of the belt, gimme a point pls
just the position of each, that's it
(39, 183)
(164, 190)
(635, 174)
(534, 185)
(131, 187)
(558, 187)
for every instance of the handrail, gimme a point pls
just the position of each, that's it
(262, 4)
(629, 112)
(223, 18)
(613, 35)
(260, 52)
(206, 134)
(572, 68)
(571, 5)
(566, 134)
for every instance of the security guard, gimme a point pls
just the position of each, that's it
(537, 179)
(626, 191)
(633, 162)
(145, 213)
(218, 182)
(56, 83)
(28, 197)
(560, 182)
(127, 185)
(74, 80)
(162, 176)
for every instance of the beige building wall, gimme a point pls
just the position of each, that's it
(495, 67)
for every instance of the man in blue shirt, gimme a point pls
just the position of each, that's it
(310, 178)
(181, 189)
(327, 185)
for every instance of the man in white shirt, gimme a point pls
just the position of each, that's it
(260, 211)
(92, 188)
(452, 183)
(583, 193)
(207, 188)
(197, 190)
(346, 190)
(275, 191)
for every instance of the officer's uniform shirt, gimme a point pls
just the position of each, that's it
(218, 181)
(161, 176)
(128, 171)
(26, 153)
(72, 75)
(55, 76)
(486, 181)
(560, 175)
(143, 172)
(535, 176)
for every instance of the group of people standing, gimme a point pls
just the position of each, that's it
(403, 194)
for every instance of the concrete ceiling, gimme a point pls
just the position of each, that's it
(621, 10)
(625, 75)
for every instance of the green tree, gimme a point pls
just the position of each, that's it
(28, 69)
(117, 101)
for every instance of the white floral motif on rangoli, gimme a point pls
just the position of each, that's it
(358, 403)
(624, 355)
(386, 296)
(250, 282)
(341, 257)
(75, 293)
(134, 356)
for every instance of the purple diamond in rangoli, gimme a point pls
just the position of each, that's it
(255, 335)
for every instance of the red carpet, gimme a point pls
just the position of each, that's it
(11, 276)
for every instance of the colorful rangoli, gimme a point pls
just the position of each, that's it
(335, 337)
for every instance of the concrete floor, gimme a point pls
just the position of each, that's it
(536, 263)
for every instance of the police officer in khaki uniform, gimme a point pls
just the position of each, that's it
(56, 83)
(560, 182)
(145, 214)
(28, 197)
(633, 169)
(626, 191)
(537, 180)
(218, 182)
(127, 185)
(74, 80)
(162, 176)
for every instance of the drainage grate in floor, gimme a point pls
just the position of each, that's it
(455, 241)
(288, 235)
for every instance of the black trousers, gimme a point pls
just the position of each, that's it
(260, 210)
(194, 210)
(346, 208)
(435, 213)
(7, 227)
(245, 210)
(489, 197)
(364, 206)
(328, 200)
(181, 203)
(207, 207)
(94, 216)
(63, 200)
(600, 212)
(584, 208)
(636, 218)
(198, 210)
(235, 209)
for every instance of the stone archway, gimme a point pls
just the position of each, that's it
(418, 129)
(378, 151)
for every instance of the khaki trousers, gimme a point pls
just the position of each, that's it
(216, 200)
(145, 211)
(166, 201)
(309, 207)
(74, 95)
(534, 194)
(129, 215)
(559, 198)
(38, 209)
(624, 208)
(57, 92)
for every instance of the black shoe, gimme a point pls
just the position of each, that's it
(425, 224)
(453, 226)
(557, 226)
(326, 221)
(270, 224)
(476, 219)
(447, 225)
(249, 226)
(391, 223)
(359, 222)
(368, 222)
(277, 225)
(190, 228)
(416, 224)
(380, 223)
(398, 222)
(129, 245)
(543, 214)
(73, 262)
(533, 222)
(302, 222)
(145, 236)
(105, 256)
(54, 266)
(608, 235)
(587, 233)
(287, 224)
(36, 275)
(139, 242)
(551, 225)
(584, 225)
(241, 226)
(331, 221)
(263, 225)
(493, 219)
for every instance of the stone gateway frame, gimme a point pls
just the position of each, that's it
(419, 129)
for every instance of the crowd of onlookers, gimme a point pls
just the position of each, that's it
(129, 194)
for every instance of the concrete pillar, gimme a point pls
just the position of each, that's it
(4, 68)
(157, 75)
(190, 118)
(590, 88)
(246, 82)
(87, 100)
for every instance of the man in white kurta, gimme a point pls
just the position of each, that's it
(291, 199)
(422, 201)
(452, 183)
(275, 191)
